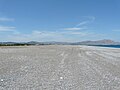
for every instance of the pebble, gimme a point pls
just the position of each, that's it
(1, 80)
(61, 77)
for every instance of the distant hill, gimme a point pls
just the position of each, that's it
(99, 42)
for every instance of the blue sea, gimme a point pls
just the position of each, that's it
(113, 46)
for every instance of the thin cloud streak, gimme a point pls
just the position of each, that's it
(82, 24)
(73, 29)
(7, 28)
(3, 19)
(90, 20)
(46, 35)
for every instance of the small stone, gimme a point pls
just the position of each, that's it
(61, 77)
(1, 80)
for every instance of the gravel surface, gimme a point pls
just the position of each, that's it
(59, 67)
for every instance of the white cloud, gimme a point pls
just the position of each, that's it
(34, 36)
(90, 19)
(38, 35)
(50, 36)
(6, 28)
(6, 19)
(73, 29)
(46, 36)
(37, 32)
(82, 25)
(80, 33)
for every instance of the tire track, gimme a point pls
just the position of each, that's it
(107, 80)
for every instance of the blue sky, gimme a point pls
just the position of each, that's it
(59, 20)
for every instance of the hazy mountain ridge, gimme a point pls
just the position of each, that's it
(99, 42)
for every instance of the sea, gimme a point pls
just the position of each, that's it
(112, 46)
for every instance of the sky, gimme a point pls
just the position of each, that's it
(59, 20)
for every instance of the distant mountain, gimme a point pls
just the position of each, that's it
(47, 43)
(8, 42)
(99, 42)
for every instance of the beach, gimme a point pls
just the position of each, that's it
(59, 67)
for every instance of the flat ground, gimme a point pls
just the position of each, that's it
(59, 68)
